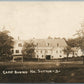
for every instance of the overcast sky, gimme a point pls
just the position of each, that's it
(41, 19)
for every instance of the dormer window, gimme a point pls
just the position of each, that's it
(48, 44)
(19, 45)
(57, 44)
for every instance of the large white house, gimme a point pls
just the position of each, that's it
(49, 48)
(45, 48)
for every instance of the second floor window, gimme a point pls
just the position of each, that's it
(56, 51)
(17, 51)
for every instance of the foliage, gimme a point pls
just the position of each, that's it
(80, 33)
(6, 43)
(28, 49)
(67, 51)
(73, 42)
(80, 38)
(76, 42)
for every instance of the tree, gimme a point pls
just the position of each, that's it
(67, 51)
(73, 42)
(80, 33)
(6, 43)
(28, 49)
(80, 37)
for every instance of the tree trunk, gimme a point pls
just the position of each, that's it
(73, 54)
(67, 56)
(83, 57)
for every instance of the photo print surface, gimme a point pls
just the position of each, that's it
(41, 42)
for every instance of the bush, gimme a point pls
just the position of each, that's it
(25, 58)
(6, 58)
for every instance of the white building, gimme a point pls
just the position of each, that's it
(45, 48)
(17, 50)
(49, 48)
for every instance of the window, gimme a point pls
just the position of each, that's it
(56, 51)
(17, 51)
(42, 55)
(48, 44)
(12, 51)
(57, 44)
(60, 56)
(19, 45)
(41, 51)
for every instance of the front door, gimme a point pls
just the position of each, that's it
(48, 57)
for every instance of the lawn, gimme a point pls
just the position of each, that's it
(42, 72)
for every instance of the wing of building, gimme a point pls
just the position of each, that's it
(17, 49)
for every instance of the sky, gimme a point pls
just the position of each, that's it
(41, 19)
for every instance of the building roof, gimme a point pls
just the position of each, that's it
(49, 42)
(46, 42)
(75, 49)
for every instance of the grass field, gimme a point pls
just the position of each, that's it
(50, 72)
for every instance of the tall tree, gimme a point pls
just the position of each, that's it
(80, 37)
(67, 51)
(6, 43)
(73, 42)
(28, 49)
